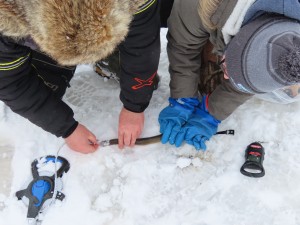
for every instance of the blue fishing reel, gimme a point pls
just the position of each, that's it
(45, 187)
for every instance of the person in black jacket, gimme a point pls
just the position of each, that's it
(40, 42)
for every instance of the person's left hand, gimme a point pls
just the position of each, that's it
(131, 125)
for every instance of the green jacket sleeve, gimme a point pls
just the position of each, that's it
(186, 38)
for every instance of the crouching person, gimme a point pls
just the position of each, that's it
(257, 44)
(42, 41)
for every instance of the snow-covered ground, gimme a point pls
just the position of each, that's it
(159, 184)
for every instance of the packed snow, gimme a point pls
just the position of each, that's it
(159, 184)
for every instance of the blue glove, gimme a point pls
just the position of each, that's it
(200, 127)
(174, 116)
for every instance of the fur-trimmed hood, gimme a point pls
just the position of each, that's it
(70, 31)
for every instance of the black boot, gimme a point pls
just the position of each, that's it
(155, 82)
(109, 67)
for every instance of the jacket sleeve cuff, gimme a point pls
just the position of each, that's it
(225, 99)
(137, 108)
(70, 130)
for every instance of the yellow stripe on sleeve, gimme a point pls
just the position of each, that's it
(146, 6)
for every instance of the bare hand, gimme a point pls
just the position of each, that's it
(82, 140)
(131, 125)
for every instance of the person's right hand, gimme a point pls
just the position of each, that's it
(82, 140)
(174, 116)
